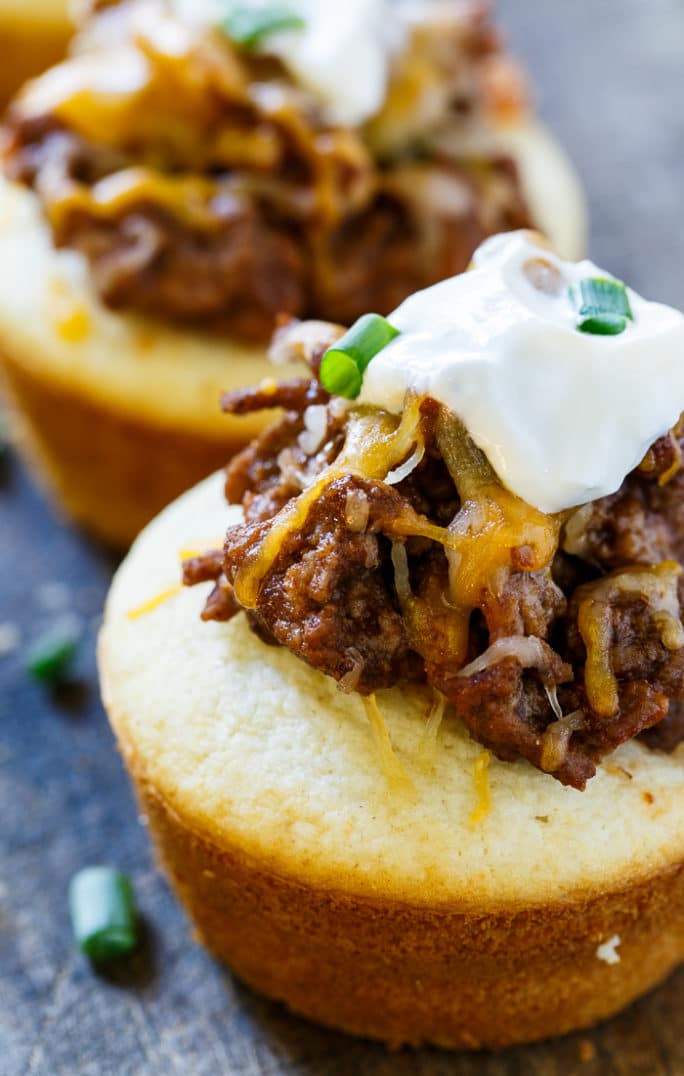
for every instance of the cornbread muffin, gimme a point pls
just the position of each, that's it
(119, 413)
(405, 912)
(33, 35)
(413, 760)
(196, 183)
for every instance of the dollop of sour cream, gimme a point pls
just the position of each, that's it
(561, 415)
(342, 53)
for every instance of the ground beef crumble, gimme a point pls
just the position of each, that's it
(331, 595)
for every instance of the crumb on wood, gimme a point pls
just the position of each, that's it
(607, 951)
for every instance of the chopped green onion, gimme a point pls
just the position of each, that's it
(51, 657)
(344, 364)
(599, 295)
(603, 324)
(248, 26)
(103, 913)
(603, 306)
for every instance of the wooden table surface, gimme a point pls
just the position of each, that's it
(610, 76)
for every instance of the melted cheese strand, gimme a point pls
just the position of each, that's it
(487, 534)
(427, 748)
(374, 445)
(659, 586)
(189, 198)
(482, 788)
(199, 549)
(396, 776)
(153, 603)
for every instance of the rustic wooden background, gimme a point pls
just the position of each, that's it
(611, 79)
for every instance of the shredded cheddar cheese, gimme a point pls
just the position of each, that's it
(396, 776)
(659, 586)
(189, 554)
(199, 549)
(69, 316)
(427, 748)
(75, 326)
(482, 789)
(676, 465)
(153, 603)
(669, 474)
(189, 198)
(493, 531)
(490, 526)
(375, 443)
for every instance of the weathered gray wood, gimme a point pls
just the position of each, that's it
(610, 76)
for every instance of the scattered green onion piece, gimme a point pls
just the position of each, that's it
(603, 306)
(248, 26)
(343, 366)
(51, 657)
(103, 914)
(603, 324)
(599, 295)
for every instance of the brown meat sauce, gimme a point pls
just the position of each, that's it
(585, 651)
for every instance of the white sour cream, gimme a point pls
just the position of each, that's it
(561, 415)
(342, 54)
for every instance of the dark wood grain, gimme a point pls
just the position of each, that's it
(610, 75)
